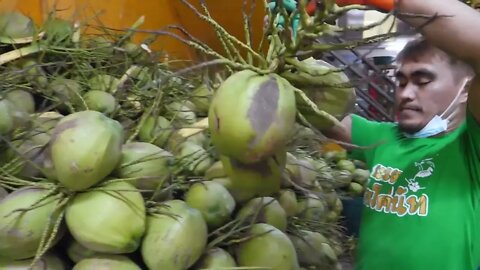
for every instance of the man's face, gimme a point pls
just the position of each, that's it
(426, 87)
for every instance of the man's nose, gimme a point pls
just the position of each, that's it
(408, 92)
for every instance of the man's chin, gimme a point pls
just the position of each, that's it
(409, 128)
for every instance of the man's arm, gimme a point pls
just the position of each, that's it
(343, 132)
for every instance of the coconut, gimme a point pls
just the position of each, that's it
(22, 99)
(76, 252)
(213, 200)
(178, 233)
(43, 126)
(343, 178)
(268, 247)
(48, 262)
(264, 210)
(313, 249)
(253, 180)
(120, 210)
(194, 158)
(21, 231)
(331, 90)
(216, 258)
(307, 172)
(288, 201)
(66, 91)
(251, 116)
(215, 171)
(100, 101)
(58, 30)
(14, 25)
(312, 207)
(27, 156)
(181, 113)
(34, 74)
(361, 176)
(346, 165)
(7, 119)
(355, 189)
(106, 262)
(202, 97)
(85, 148)
(103, 83)
(156, 130)
(147, 162)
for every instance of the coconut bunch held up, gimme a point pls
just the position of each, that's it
(106, 161)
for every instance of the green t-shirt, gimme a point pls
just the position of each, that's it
(422, 204)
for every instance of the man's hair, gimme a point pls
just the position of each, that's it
(420, 47)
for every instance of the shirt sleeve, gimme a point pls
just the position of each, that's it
(366, 134)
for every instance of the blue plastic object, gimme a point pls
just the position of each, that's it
(290, 6)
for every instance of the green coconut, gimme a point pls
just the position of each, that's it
(34, 74)
(361, 176)
(260, 179)
(7, 121)
(288, 201)
(103, 83)
(342, 178)
(268, 247)
(307, 172)
(43, 125)
(106, 262)
(355, 189)
(346, 165)
(22, 100)
(213, 200)
(21, 232)
(330, 90)
(312, 207)
(251, 116)
(15, 25)
(313, 249)
(27, 156)
(181, 113)
(156, 130)
(65, 90)
(216, 259)
(76, 252)
(117, 224)
(48, 262)
(202, 97)
(194, 158)
(264, 210)
(147, 162)
(215, 171)
(100, 101)
(85, 147)
(176, 237)
(58, 30)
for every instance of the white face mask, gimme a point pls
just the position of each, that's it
(439, 123)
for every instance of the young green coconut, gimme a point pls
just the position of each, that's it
(216, 258)
(85, 148)
(176, 236)
(76, 252)
(264, 210)
(106, 262)
(14, 25)
(49, 261)
(267, 247)
(26, 214)
(251, 116)
(120, 210)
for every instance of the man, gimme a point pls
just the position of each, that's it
(422, 205)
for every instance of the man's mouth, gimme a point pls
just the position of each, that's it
(410, 108)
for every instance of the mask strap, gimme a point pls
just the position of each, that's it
(460, 92)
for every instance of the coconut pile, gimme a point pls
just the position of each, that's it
(107, 161)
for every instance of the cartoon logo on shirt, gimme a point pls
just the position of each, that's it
(413, 184)
(384, 196)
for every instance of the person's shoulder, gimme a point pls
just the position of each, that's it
(360, 122)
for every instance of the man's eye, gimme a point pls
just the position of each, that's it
(423, 81)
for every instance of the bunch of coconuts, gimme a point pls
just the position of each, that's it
(97, 174)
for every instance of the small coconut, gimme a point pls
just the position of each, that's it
(213, 200)
(264, 210)
(76, 252)
(312, 207)
(156, 130)
(100, 101)
(49, 261)
(22, 99)
(194, 158)
(106, 262)
(103, 83)
(215, 258)
(215, 171)
(288, 201)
